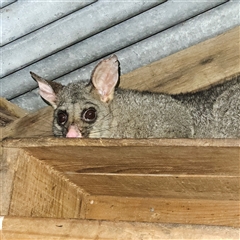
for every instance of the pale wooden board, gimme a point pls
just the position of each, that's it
(11, 108)
(184, 211)
(9, 112)
(32, 125)
(29, 143)
(15, 228)
(168, 156)
(153, 171)
(198, 67)
(141, 159)
(195, 68)
(38, 190)
(8, 166)
(176, 186)
(112, 173)
(5, 118)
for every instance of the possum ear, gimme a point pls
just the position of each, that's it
(47, 89)
(105, 77)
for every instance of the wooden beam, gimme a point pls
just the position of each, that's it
(163, 210)
(154, 180)
(163, 186)
(14, 228)
(11, 108)
(195, 68)
(5, 118)
(127, 160)
(32, 188)
(90, 142)
(32, 125)
(8, 113)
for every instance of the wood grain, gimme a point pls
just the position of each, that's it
(195, 68)
(141, 160)
(40, 191)
(11, 108)
(193, 181)
(141, 156)
(184, 211)
(15, 228)
(9, 112)
(32, 125)
(176, 186)
(8, 165)
(130, 142)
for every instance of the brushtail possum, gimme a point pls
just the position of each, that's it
(99, 109)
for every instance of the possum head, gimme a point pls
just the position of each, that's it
(82, 109)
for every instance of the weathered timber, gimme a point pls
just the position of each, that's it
(32, 188)
(207, 63)
(32, 125)
(11, 109)
(9, 112)
(163, 210)
(185, 181)
(15, 228)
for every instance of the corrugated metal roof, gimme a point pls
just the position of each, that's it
(64, 40)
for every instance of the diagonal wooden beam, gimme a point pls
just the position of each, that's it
(192, 69)
(9, 112)
(32, 125)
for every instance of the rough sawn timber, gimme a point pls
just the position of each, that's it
(15, 228)
(185, 181)
(195, 68)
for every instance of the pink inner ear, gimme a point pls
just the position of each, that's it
(47, 92)
(105, 77)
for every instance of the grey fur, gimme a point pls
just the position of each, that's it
(212, 113)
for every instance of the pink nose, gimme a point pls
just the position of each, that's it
(73, 132)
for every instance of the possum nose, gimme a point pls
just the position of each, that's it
(73, 132)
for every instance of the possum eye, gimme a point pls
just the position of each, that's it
(62, 117)
(89, 115)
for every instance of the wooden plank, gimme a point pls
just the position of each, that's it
(9, 112)
(78, 142)
(195, 68)
(176, 186)
(184, 211)
(44, 228)
(7, 170)
(194, 181)
(11, 108)
(38, 190)
(189, 175)
(32, 125)
(141, 159)
(5, 119)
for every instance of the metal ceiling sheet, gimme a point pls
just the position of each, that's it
(139, 32)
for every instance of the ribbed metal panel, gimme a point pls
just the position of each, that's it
(67, 31)
(5, 3)
(139, 32)
(23, 17)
